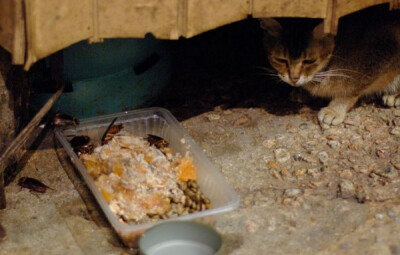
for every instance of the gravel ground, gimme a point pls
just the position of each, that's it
(303, 188)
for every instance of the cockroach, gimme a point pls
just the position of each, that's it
(82, 145)
(110, 132)
(62, 120)
(157, 141)
(33, 184)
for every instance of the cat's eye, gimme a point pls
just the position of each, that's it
(281, 60)
(309, 61)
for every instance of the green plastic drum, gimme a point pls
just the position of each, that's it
(113, 76)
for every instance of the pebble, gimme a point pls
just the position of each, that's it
(299, 172)
(303, 126)
(388, 171)
(396, 122)
(213, 116)
(346, 188)
(395, 131)
(276, 174)
(396, 164)
(396, 113)
(282, 155)
(242, 120)
(314, 171)
(286, 173)
(334, 144)
(269, 143)
(251, 226)
(352, 121)
(292, 192)
(346, 174)
(379, 216)
(323, 157)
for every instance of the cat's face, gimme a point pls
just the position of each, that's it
(295, 54)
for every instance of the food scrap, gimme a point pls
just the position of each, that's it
(142, 179)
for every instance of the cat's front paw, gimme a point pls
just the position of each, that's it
(391, 100)
(331, 116)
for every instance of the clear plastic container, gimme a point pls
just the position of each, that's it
(160, 122)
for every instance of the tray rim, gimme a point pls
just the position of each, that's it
(111, 217)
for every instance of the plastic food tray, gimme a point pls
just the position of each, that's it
(160, 122)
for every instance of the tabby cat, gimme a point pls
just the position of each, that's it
(362, 60)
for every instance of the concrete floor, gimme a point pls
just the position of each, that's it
(293, 200)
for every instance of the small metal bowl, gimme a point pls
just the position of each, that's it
(180, 237)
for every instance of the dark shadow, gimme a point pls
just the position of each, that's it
(225, 68)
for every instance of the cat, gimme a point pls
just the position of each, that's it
(361, 60)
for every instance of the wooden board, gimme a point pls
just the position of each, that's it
(53, 25)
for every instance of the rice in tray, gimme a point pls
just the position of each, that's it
(143, 182)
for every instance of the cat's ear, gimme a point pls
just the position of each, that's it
(272, 26)
(318, 32)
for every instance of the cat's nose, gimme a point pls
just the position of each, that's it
(295, 79)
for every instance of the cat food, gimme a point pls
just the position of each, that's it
(142, 181)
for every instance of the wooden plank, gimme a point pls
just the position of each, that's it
(289, 8)
(56, 24)
(25, 134)
(331, 21)
(205, 15)
(127, 18)
(345, 7)
(12, 29)
(7, 124)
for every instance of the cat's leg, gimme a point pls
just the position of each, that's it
(388, 84)
(392, 98)
(335, 112)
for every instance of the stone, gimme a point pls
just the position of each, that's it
(388, 171)
(395, 131)
(346, 189)
(323, 157)
(292, 192)
(334, 144)
(282, 155)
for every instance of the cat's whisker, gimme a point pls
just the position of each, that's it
(268, 70)
(343, 71)
(267, 74)
(341, 58)
(332, 75)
